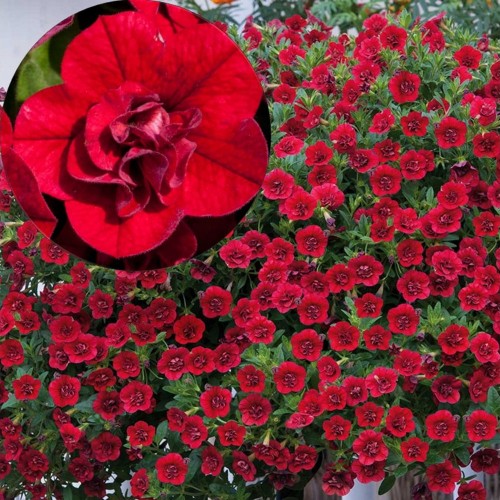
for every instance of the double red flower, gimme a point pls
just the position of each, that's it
(152, 128)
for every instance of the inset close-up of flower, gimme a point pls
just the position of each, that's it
(262, 255)
(150, 135)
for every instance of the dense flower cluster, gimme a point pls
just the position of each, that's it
(354, 315)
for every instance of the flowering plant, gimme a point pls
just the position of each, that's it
(353, 316)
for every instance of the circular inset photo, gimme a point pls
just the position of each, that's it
(135, 137)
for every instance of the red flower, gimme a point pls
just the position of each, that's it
(394, 38)
(413, 285)
(52, 253)
(337, 482)
(337, 428)
(481, 426)
(260, 329)
(399, 421)
(139, 483)
(485, 348)
(92, 117)
(194, 431)
(382, 122)
(81, 468)
(71, 436)
(26, 234)
(385, 180)
(236, 254)
(284, 94)
(472, 490)
(20, 264)
(108, 405)
(404, 87)
(127, 365)
(242, 466)
(307, 345)
(410, 252)
(26, 387)
(303, 458)
(370, 447)
(289, 377)
(333, 398)
(173, 363)
(486, 224)
(414, 124)
(486, 460)
(299, 206)
(32, 464)
(226, 357)
(231, 434)
(215, 302)
(344, 138)
(65, 390)
(414, 450)
(68, 299)
(369, 415)
(288, 146)
(340, 278)
(211, 461)
(200, 360)
(280, 250)
(311, 241)
(101, 304)
(403, 319)
(343, 336)
(450, 133)
(446, 389)
(367, 270)
(101, 379)
(255, 409)
(106, 447)
(453, 339)
(328, 369)
(363, 160)
(442, 477)
(473, 297)
(136, 396)
(355, 388)
(141, 433)
(171, 469)
(441, 426)
(6, 322)
(278, 185)
(312, 309)
(483, 110)
(468, 56)
(216, 402)
(381, 381)
(189, 329)
(377, 337)
(486, 145)
(318, 154)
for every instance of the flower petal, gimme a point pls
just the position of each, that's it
(95, 221)
(222, 84)
(45, 125)
(222, 176)
(180, 247)
(121, 57)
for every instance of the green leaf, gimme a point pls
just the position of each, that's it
(462, 454)
(194, 465)
(386, 484)
(161, 431)
(41, 67)
(493, 401)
